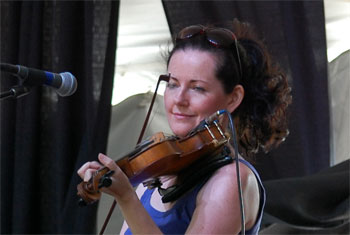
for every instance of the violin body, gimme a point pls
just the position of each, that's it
(160, 156)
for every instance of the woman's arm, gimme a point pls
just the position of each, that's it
(136, 217)
(139, 192)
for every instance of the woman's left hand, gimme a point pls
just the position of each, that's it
(120, 189)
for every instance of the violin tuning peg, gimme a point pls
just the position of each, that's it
(105, 181)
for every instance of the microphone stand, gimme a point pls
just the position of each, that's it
(15, 91)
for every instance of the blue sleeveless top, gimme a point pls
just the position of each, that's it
(177, 219)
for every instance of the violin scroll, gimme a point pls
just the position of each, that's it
(89, 192)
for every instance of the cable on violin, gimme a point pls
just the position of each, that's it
(235, 146)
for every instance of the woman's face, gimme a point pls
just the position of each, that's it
(193, 92)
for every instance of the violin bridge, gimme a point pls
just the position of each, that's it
(217, 142)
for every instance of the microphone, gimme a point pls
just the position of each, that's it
(64, 83)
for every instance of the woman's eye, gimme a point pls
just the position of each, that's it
(199, 89)
(171, 85)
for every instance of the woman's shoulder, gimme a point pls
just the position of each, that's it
(226, 177)
(222, 190)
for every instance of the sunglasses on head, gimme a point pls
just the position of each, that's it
(218, 37)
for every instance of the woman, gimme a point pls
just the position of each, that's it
(211, 69)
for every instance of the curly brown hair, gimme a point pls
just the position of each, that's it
(261, 118)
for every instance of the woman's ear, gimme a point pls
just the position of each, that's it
(235, 98)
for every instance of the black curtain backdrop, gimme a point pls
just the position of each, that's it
(45, 138)
(294, 31)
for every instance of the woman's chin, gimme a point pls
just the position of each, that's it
(181, 131)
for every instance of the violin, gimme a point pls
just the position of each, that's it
(157, 157)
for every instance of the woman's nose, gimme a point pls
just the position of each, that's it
(181, 97)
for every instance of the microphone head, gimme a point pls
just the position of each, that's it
(68, 86)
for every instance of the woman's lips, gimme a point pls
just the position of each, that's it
(182, 116)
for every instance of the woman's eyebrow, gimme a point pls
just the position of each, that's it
(174, 78)
(191, 81)
(198, 80)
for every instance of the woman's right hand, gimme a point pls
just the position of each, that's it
(120, 189)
